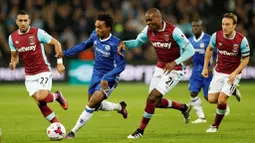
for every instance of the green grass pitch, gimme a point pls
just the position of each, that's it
(22, 122)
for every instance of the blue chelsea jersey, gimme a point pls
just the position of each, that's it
(200, 46)
(107, 61)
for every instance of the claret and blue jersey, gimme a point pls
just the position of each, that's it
(107, 64)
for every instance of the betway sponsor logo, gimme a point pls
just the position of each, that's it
(28, 48)
(226, 53)
(164, 45)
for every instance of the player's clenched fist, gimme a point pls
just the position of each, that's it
(12, 65)
(205, 72)
(61, 68)
(169, 67)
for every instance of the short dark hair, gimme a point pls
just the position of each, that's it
(107, 18)
(198, 20)
(231, 16)
(23, 12)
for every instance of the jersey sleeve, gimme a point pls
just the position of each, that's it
(212, 42)
(245, 48)
(43, 36)
(141, 38)
(82, 46)
(11, 44)
(184, 44)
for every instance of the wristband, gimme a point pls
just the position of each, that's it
(60, 61)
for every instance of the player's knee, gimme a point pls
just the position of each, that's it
(212, 100)
(154, 96)
(151, 99)
(38, 96)
(42, 94)
(222, 101)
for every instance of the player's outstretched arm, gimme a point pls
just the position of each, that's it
(121, 47)
(184, 44)
(245, 52)
(241, 66)
(131, 44)
(58, 49)
(14, 60)
(187, 62)
(59, 55)
(82, 46)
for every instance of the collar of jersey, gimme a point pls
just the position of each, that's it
(106, 38)
(164, 27)
(231, 37)
(24, 33)
(200, 37)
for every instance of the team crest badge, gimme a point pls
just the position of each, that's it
(31, 40)
(202, 45)
(247, 46)
(235, 48)
(107, 47)
(166, 37)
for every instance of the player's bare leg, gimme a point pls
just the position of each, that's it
(42, 97)
(95, 99)
(155, 100)
(110, 106)
(184, 108)
(221, 109)
(154, 96)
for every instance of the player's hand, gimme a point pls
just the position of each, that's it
(121, 47)
(232, 77)
(205, 72)
(104, 84)
(59, 55)
(169, 67)
(60, 68)
(12, 65)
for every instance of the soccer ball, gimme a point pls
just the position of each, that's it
(56, 131)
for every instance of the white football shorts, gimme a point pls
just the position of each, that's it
(220, 83)
(165, 82)
(37, 82)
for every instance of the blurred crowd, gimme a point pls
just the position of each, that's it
(71, 21)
